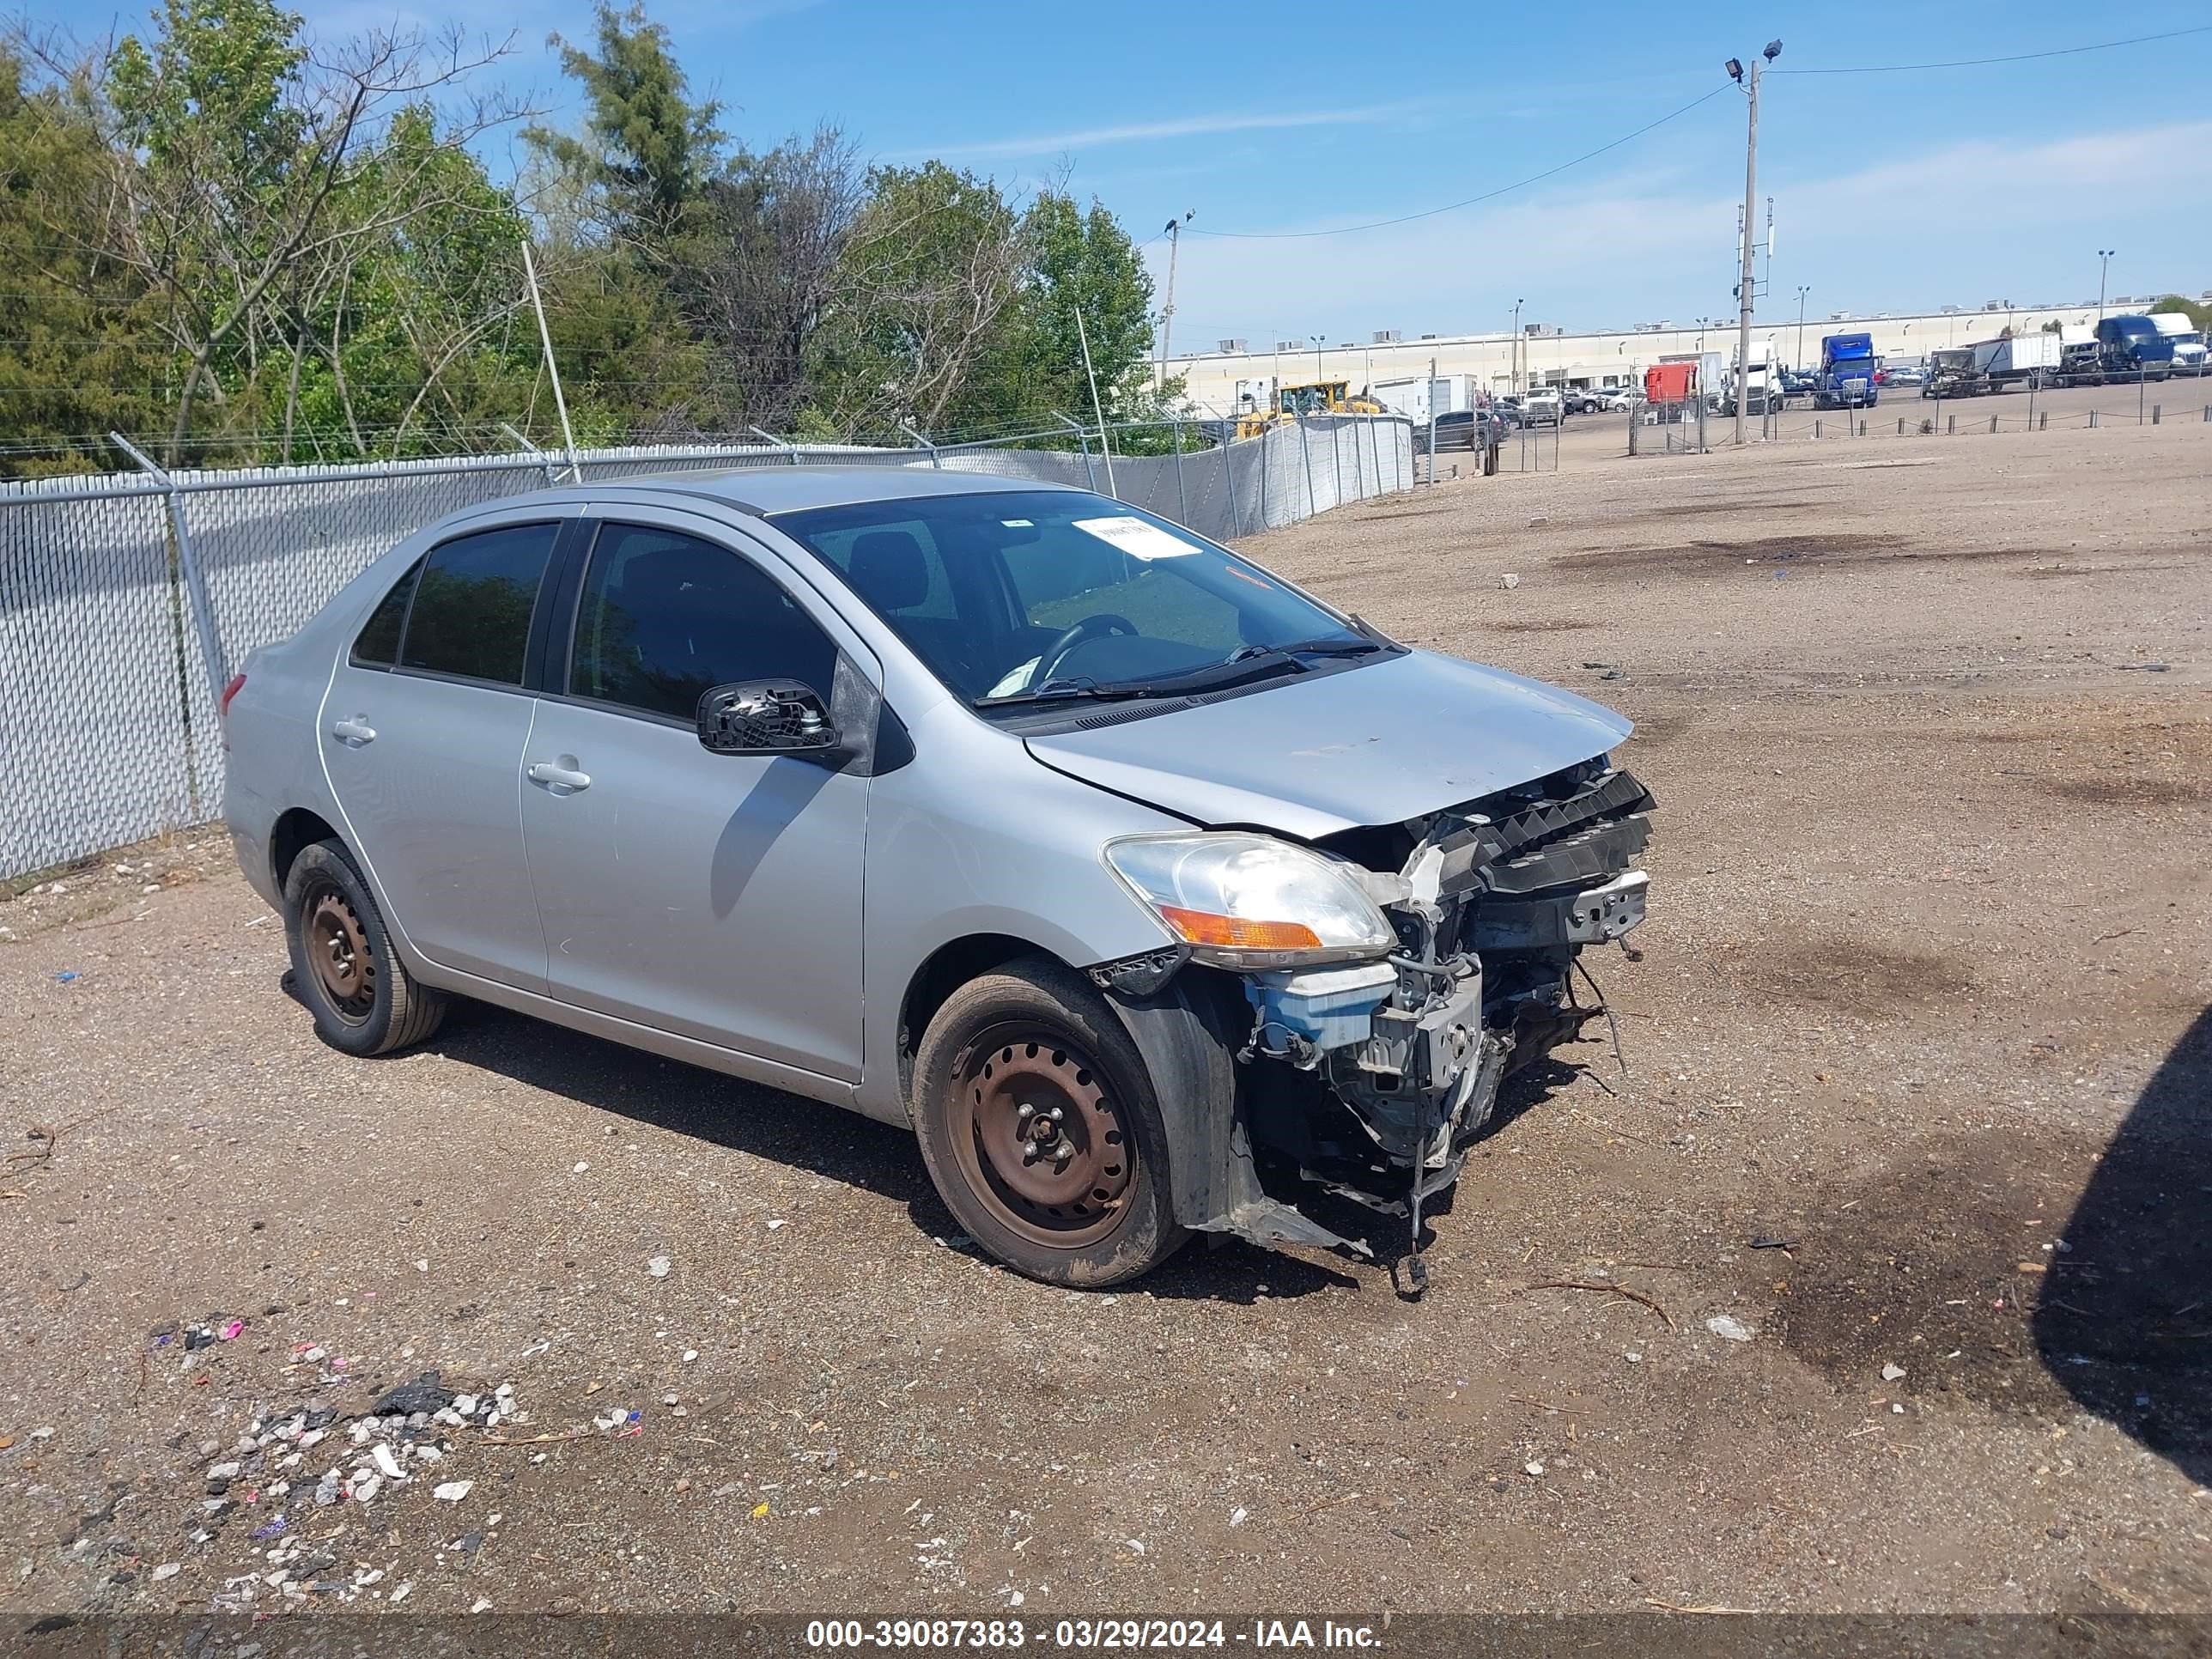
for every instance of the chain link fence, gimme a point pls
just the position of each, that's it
(127, 599)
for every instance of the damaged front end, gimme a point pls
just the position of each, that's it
(1368, 1075)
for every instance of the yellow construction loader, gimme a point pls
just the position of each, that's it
(1313, 397)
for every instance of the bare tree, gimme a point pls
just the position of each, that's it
(243, 217)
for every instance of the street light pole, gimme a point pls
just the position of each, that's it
(1319, 340)
(1744, 285)
(1803, 289)
(2104, 265)
(1167, 312)
(1513, 363)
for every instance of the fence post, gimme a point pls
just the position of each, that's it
(548, 461)
(2043, 422)
(1900, 426)
(1816, 426)
(1182, 490)
(1951, 429)
(1264, 431)
(188, 568)
(1336, 456)
(935, 464)
(2093, 420)
(1305, 449)
(1229, 472)
(2154, 409)
(1082, 437)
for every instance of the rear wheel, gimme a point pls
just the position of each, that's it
(362, 997)
(1039, 1127)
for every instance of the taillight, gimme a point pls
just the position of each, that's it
(223, 705)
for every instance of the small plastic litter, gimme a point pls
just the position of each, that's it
(452, 1492)
(657, 1267)
(232, 1330)
(1728, 1328)
(1509, 580)
(1892, 1373)
(67, 975)
(275, 1526)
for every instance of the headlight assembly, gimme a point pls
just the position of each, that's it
(1250, 901)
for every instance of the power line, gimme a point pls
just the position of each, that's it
(2018, 58)
(1453, 207)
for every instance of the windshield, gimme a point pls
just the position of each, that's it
(1013, 597)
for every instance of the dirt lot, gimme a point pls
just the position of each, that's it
(1921, 1010)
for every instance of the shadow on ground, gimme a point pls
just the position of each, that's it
(807, 1134)
(2126, 1326)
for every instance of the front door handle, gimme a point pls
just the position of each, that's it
(562, 776)
(356, 730)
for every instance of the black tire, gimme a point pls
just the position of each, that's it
(1035, 1035)
(343, 968)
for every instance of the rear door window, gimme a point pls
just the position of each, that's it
(473, 604)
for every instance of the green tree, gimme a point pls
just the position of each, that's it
(924, 330)
(646, 148)
(1084, 262)
(2198, 311)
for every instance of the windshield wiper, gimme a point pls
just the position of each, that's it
(1335, 645)
(1062, 691)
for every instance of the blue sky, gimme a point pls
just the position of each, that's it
(1892, 191)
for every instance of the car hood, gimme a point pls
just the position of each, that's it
(1375, 743)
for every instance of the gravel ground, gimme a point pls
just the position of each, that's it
(1919, 1057)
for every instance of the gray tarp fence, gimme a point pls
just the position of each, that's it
(107, 726)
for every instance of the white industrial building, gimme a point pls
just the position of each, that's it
(1243, 375)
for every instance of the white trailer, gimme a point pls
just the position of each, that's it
(1419, 395)
(2015, 357)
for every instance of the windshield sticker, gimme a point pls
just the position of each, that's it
(1136, 538)
(1018, 524)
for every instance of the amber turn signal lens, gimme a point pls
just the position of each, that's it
(1203, 927)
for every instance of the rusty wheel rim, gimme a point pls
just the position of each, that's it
(1037, 1134)
(338, 953)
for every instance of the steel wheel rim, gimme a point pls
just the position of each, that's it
(338, 954)
(1038, 1136)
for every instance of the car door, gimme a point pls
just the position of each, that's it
(422, 732)
(716, 896)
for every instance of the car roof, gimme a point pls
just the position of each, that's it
(763, 491)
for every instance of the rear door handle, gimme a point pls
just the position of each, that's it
(356, 730)
(545, 772)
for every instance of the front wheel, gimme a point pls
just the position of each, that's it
(1040, 1129)
(363, 999)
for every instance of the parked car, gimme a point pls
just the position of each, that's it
(1583, 402)
(1541, 408)
(1905, 374)
(1619, 400)
(1460, 428)
(1149, 891)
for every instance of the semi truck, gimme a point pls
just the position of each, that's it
(2188, 340)
(2124, 348)
(1848, 365)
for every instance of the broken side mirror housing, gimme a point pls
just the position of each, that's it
(766, 717)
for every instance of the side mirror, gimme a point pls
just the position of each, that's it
(765, 717)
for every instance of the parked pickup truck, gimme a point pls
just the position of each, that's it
(1154, 895)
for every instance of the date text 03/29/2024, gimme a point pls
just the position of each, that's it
(1089, 1634)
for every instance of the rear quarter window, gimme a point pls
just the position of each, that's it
(377, 645)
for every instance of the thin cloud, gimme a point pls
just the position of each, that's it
(1051, 143)
(1649, 243)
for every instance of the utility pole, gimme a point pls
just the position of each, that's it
(1803, 289)
(1319, 340)
(552, 368)
(1513, 363)
(1167, 312)
(2104, 266)
(1744, 287)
